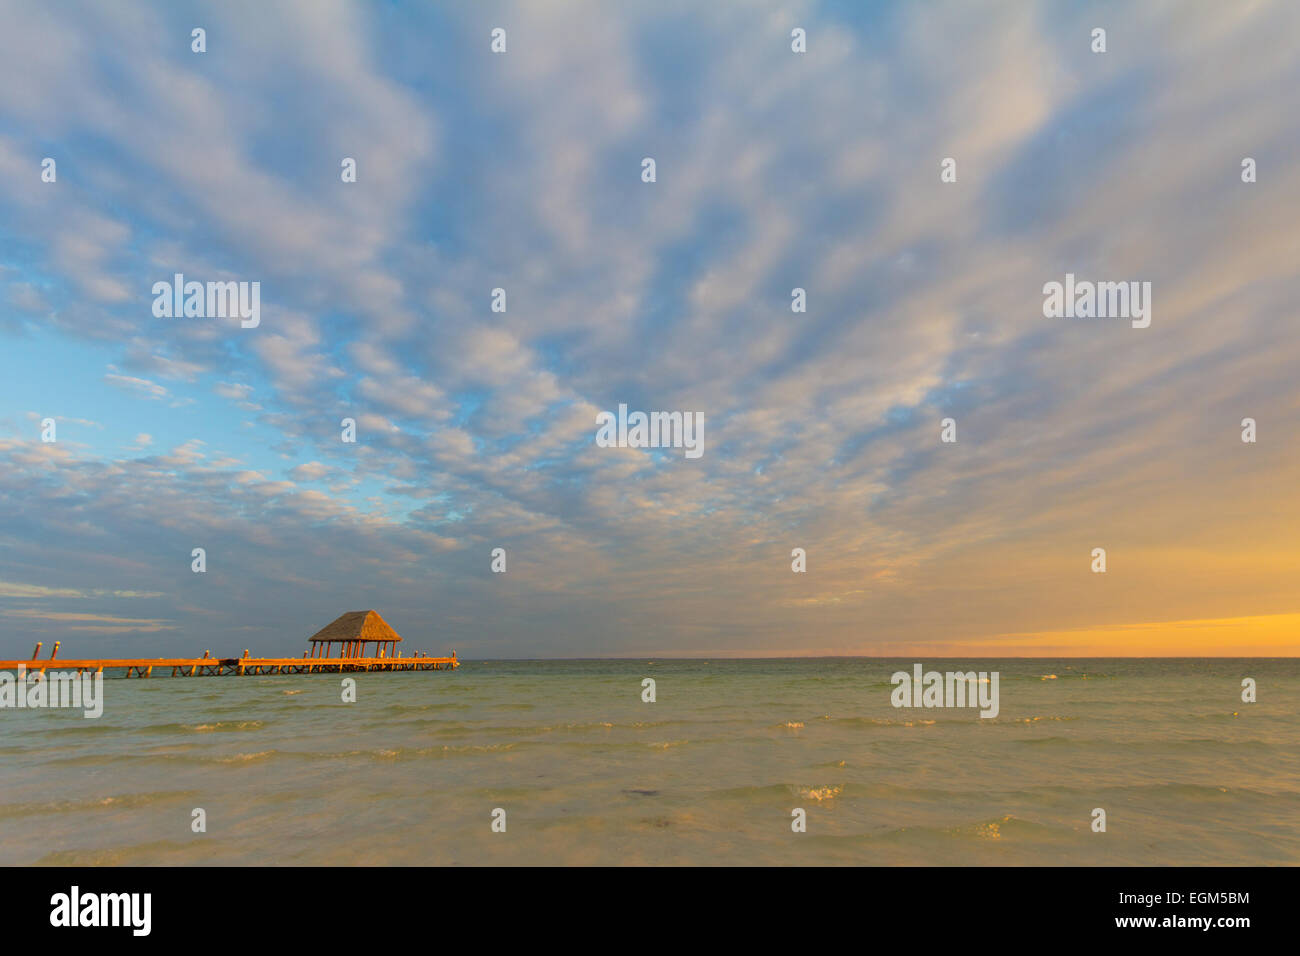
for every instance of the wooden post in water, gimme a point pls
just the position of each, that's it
(55, 653)
(36, 653)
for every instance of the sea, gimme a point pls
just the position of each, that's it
(767, 762)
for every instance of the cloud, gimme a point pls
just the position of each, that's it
(234, 391)
(311, 471)
(15, 589)
(94, 623)
(140, 387)
(775, 171)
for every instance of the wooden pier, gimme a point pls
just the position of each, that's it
(354, 633)
(234, 666)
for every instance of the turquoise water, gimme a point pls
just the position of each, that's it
(708, 774)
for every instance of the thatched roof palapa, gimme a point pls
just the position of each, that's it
(363, 626)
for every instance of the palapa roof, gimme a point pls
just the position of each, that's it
(356, 626)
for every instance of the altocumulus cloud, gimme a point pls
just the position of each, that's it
(775, 171)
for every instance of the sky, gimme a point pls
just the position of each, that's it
(774, 170)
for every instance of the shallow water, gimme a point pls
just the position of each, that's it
(708, 774)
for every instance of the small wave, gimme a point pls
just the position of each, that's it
(224, 726)
(121, 856)
(124, 801)
(996, 829)
(821, 793)
(245, 758)
(965, 713)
